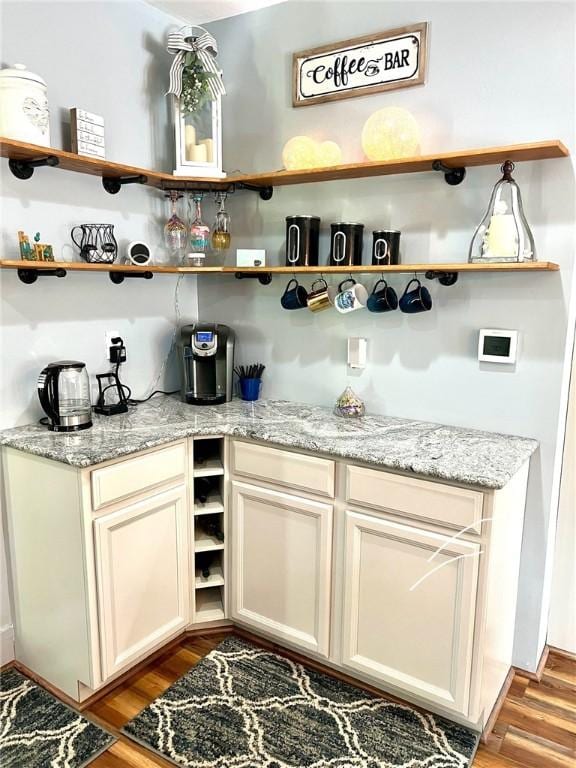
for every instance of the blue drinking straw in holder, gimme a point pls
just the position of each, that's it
(250, 377)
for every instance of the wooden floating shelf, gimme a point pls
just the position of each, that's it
(540, 150)
(76, 266)
(465, 158)
(528, 266)
(82, 266)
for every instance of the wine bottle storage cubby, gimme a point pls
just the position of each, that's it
(208, 457)
(209, 570)
(208, 496)
(210, 604)
(209, 533)
(209, 527)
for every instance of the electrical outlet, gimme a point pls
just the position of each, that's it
(109, 336)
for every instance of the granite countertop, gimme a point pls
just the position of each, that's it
(469, 456)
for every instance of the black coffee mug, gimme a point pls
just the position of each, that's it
(294, 296)
(386, 246)
(383, 299)
(416, 300)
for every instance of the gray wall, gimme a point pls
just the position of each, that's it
(109, 58)
(498, 74)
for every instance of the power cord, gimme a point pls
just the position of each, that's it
(124, 391)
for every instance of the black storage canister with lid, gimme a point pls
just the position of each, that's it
(346, 244)
(302, 237)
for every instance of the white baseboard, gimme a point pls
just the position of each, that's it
(6, 644)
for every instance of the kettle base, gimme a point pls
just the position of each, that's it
(69, 428)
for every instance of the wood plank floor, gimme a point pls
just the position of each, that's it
(536, 727)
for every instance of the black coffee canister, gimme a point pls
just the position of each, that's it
(385, 247)
(346, 244)
(302, 234)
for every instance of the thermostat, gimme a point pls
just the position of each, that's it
(496, 346)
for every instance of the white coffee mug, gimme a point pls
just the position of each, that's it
(350, 299)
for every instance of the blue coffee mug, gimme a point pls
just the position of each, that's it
(382, 300)
(416, 300)
(294, 297)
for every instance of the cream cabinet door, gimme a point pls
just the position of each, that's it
(142, 577)
(409, 605)
(281, 558)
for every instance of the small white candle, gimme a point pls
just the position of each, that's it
(199, 153)
(189, 140)
(501, 235)
(209, 144)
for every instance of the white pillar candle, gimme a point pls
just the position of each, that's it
(501, 234)
(199, 153)
(189, 140)
(209, 144)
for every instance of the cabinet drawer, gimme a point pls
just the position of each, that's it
(292, 469)
(437, 502)
(126, 478)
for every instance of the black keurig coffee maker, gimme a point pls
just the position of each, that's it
(206, 354)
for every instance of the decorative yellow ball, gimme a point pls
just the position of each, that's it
(390, 133)
(300, 152)
(328, 153)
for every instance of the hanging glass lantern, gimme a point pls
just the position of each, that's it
(503, 234)
(197, 87)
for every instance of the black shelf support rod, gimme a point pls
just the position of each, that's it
(452, 176)
(113, 184)
(264, 192)
(264, 278)
(30, 276)
(23, 169)
(444, 278)
(119, 277)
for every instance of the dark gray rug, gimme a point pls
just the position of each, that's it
(243, 707)
(38, 731)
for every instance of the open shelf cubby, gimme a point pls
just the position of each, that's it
(210, 604)
(209, 570)
(208, 459)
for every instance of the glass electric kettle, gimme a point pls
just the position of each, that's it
(64, 392)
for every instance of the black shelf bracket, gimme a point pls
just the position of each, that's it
(264, 278)
(30, 276)
(452, 176)
(23, 169)
(113, 184)
(264, 192)
(119, 277)
(444, 278)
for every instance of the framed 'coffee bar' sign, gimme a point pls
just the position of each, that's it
(358, 67)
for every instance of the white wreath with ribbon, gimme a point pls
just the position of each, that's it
(194, 40)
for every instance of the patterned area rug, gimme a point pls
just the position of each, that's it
(38, 731)
(244, 707)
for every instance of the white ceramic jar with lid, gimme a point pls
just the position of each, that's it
(24, 106)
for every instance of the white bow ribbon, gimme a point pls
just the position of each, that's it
(204, 46)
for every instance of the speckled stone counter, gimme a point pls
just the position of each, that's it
(485, 459)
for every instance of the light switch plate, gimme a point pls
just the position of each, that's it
(357, 347)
